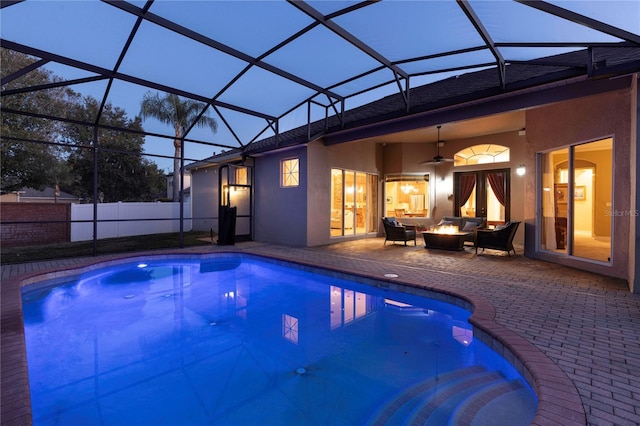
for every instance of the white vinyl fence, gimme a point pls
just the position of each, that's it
(149, 218)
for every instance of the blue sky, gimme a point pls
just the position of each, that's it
(95, 32)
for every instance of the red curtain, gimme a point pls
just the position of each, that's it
(467, 183)
(496, 180)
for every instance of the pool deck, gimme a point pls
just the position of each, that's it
(576, 334)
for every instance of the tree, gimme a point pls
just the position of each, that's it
(28, 158)
(180, 113)
(123, 173)
(38, 152)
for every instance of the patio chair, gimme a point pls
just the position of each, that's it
(396, 231)
(500, 238)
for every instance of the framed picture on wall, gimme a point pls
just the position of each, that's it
(579, 193)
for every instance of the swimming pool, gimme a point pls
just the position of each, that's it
(240, 340)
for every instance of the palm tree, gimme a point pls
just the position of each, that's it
(180, 113)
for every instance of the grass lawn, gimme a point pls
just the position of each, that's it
(105, 246)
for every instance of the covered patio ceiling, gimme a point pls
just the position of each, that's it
(264, 67)
(486, 125)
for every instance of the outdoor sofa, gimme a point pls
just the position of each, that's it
(465, 224)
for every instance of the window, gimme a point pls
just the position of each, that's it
(290, 172)
(482, 154)
(242, 176)
(407, 195)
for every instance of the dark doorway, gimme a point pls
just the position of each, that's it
(235, 196)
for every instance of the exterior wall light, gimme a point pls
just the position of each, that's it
(521, 170)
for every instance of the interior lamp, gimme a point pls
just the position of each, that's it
(521, 170)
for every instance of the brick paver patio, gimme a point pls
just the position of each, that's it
(576, 335)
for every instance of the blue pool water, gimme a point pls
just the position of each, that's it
(236, 340)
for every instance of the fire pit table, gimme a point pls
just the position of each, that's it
(444, 241)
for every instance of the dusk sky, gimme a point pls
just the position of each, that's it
(95, 33)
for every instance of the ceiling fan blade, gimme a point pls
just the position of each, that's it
(437, 160)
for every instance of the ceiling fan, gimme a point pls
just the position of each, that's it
(438, 158)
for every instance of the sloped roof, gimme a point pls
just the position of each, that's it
(47, 192)
(452, 91)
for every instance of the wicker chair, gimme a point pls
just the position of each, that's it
(497, 239)
(395, 231)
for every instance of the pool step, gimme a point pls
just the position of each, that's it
(501, 404)
(399, 406)
(455, 398)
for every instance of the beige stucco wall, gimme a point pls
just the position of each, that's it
(356, 156)
(576, 121)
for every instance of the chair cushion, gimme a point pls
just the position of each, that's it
(499, 227)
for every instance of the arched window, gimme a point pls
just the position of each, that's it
(482, 154)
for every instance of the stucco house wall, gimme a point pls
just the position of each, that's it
(318, 194)
(280, 213)
(300, 216)
(516, 144)
(356, 156)
(576, 121)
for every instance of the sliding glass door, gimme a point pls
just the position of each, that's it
(576, 200)
(353, 203)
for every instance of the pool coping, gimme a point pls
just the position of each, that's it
(559, 400)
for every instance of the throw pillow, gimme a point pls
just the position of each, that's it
(445, 222)
(469, 226)
(499, 227)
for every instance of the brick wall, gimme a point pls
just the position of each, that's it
(23, 234)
